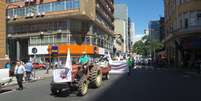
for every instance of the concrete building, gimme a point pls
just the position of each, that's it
(162, 29)
(183, 31)
(121, 26)
(53, 26)
(146, 31)
(3, 58)
(130, 34)
(132, 30)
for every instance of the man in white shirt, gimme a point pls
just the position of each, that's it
(19, 72)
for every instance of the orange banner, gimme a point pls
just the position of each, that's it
(75, 49)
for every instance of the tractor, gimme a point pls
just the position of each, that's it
(83, 77)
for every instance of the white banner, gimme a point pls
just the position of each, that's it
(62, 75)
(119, 66)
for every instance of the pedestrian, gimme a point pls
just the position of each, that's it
(48, 65)
(19, 72)
(130, 65)
(8, 66)
(29, 68)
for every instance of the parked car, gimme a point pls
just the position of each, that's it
(4, 77)
(39, 66)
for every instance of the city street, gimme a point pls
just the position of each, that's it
(145, 84)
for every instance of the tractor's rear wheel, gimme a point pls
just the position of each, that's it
(95, 77)
(82, 86)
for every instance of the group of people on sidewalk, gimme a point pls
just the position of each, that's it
(21, 70)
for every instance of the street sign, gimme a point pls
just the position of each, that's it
(55, 50)
(34, 50)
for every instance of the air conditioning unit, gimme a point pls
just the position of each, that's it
(38, 14)
(43, 13)
(31, 14)
(28, 15)
(15, 16)
(8, 17)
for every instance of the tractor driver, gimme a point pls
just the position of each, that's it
(84, 59)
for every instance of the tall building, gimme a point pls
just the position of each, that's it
(183, 31)
(146, 31)
(133, 33)
(162, 29)
(129, 35)
(121, 26)
(3, 58)
(154, 30)
(53, 26)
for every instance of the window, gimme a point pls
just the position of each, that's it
(44, 8)
(58, 6)
(76, 4)
(186, 23)
(199, 18)
(10, 12)
(47, 7)
(31, 9)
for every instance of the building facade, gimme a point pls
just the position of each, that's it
(154, 30)
(121, 27)
(54, 26)
(183, 31)
(3, 58)
(132, 30)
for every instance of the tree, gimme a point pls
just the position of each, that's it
(147, 46)
(139, 48)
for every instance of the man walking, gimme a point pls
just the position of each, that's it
(130, 63)
(19, 72)
(29, 68)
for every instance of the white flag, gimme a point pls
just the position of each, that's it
(68, 67)
(68, 61)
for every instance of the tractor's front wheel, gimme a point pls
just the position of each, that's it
(95, 77)
(82, 86)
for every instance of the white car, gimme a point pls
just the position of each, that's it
(4, 77)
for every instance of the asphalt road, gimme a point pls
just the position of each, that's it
(143, 85)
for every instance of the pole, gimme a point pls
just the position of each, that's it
(34, 69)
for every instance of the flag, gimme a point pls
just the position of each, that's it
(68, 67)
(68, 61)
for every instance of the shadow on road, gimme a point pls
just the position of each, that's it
(5, 90)
(151, 85)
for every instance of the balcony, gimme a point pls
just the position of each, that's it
(51, 7)
(103, 4)
(190, 31)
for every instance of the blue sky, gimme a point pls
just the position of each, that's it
(142, 11)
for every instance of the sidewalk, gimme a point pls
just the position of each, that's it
(39, 75)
